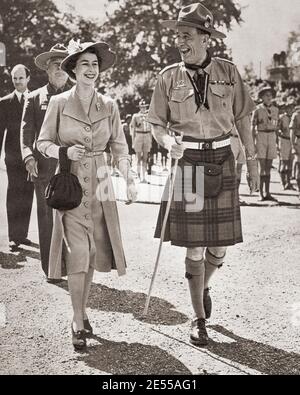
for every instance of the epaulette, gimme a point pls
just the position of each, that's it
(224, 60)
(171, 66)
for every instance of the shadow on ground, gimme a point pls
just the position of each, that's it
(258, 356)
(131, 358)
(12, 260)
(103, 298)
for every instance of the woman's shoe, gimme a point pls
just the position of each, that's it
(78, 339)
(87, 327)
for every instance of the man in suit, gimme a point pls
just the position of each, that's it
(20, 189)
(39, 168)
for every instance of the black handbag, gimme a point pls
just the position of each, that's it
(64, 191)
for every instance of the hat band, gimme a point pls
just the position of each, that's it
(196, 21)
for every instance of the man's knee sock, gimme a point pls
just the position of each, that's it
(212, 263)
(267, 182)
(195, 273)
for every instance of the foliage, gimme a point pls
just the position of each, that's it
(32, 27)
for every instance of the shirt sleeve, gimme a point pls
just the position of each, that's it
(117, 140)
(46, 142)
(159, 107)
(243, 105)
(293, 123)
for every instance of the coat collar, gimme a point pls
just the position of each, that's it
(74, 109)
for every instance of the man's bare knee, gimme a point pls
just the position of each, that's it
(195, 254)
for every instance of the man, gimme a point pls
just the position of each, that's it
(126, 130)
(39, 168)
(285, 148)
(264, 126)
(142, 139)
(295, 140)
(199, 99)
(20, 189)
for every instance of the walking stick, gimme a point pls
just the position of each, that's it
(163, 230)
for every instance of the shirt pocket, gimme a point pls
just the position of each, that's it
(182, 103)
(220, 98)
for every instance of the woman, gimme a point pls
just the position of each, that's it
(87, 237)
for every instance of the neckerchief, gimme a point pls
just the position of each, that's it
(200, 81)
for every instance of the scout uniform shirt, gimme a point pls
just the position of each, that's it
(285, 146)
(265, 118)
(139, 124)
(295, 126)
(173, 100)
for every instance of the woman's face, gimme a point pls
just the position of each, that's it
(87, 69)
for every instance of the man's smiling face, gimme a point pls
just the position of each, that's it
(191, 44)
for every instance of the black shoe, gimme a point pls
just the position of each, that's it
(207, 303)
(26, 242)
(78, 339)
(14, 246)
(270, 198)
(53, 280)
(87, 327)
(198, 334)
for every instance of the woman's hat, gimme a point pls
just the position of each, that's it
(143, 104)
(195, 15)
(58, 51)
(104, 54)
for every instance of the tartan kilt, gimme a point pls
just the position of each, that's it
(218, 224)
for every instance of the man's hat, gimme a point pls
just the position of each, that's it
(58, 51)
(264, 90)
(104, 54)
(195, 15)
(143, 103)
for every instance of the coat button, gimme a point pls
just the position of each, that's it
(86, 165)
(87, 140)
(86, 179)
(87, 128)
(86, 204)
(86, 193)
(87, 216)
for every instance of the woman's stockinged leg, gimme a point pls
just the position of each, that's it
(76, 284)
(87, 288)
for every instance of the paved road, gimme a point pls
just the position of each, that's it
(255, 327)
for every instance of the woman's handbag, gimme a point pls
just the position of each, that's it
(64, 191)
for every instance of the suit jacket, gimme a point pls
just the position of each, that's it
(33, 116)
(10, 121)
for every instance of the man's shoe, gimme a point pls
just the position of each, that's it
(78, 339)
(198, 334)
(26, 242)
(270, 198)
(53, 280)
(290, 187)
(207, 303)
(14, 245)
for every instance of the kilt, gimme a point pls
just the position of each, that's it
(218, 224)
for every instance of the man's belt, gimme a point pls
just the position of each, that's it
(267, 131)
(207, 145)
(138, 132)
(91, 154)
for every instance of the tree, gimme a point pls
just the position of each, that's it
(135, 32)
(32, 27)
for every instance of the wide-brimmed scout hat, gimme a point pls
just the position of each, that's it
(57, 51)
(106, 57)
(195, 15)
(264, 90)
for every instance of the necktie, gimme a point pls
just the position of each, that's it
(22, 100)
(200, 82)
